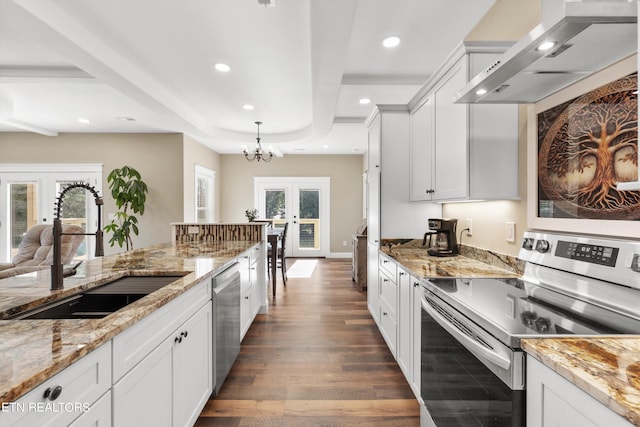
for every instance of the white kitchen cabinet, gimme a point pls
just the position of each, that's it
(373, 303)
(416, 339)
(405, 333)
(388, 300)
(552, 401)
(171, 385)
(163, 364)
(192, 367)
(252, 284)
(420, 184)
(473, 153)
(391, 213)
(246, 308)
(82, 383)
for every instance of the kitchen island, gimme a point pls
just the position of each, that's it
(31, 351)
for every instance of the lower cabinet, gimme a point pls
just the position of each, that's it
(171, 385)
(75, 395)
(552, 401)
(400, 317)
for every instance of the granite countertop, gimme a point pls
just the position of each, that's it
(472, 262)
(33, 350)
(607, 368)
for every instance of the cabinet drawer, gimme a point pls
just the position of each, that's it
(389, 266)
(98, 415)
(389, 292)
(389, 328)
(82, 384)
(131, 346)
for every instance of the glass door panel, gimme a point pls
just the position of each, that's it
(23, 211)
(309, 223)
(275, 206)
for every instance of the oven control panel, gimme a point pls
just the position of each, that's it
(608, 259)
(595, 254)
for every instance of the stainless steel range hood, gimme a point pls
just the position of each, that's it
(588, 36)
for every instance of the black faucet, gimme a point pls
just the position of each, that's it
(57, 268)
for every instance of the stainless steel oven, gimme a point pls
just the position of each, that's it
(473, 370)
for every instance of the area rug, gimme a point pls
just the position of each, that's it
(301, 268)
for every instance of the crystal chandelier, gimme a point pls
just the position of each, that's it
(257, 153)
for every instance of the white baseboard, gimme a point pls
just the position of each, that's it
(340, 255)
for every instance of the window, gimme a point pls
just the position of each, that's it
(204, 194)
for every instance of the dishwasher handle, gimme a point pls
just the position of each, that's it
(465, 340)
(222, 279)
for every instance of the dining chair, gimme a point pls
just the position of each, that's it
(281, 260)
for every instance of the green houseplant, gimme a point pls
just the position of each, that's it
(251, 214)
(130, 194)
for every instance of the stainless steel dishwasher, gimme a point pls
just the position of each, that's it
(226, 323)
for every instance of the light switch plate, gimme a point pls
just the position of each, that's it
(511, 232)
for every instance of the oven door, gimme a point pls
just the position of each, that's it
(461, 371)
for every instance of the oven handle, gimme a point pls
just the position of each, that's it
(494, 358)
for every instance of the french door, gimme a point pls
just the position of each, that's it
(27, 197)
(304, 204)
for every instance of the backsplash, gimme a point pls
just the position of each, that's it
(185, 232)
(486, 256)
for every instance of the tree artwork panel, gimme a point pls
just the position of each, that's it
(585, 147)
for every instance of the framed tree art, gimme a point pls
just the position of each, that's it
(579, 149)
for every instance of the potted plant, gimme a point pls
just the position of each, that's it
(251, 214)
(130, 194)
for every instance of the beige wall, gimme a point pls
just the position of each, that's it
(158, 158)
(197, 154)
(236, 175)
(507, 20)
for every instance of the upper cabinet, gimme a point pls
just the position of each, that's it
(390, 213)
(462, 151)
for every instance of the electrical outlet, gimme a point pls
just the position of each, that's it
(344, 243)
(470, 227)
(511, 232)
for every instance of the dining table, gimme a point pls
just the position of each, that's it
(273, 235)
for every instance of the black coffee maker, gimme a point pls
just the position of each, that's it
(442, 237)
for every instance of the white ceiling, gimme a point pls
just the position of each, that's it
(303, 64)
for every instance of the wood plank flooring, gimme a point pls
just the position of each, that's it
(316, 359)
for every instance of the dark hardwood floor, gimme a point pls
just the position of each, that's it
(316, 359)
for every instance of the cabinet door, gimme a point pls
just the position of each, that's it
(404, 316)
(416, 325)
(552, 401)
(246, 310)
(420, 184)
(451, 139)
(373, 287)
(192, 368)
(144, 396)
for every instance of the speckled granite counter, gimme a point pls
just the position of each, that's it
(607, 368)
(473, 262)
(33, 350)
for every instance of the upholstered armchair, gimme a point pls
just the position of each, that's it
(36, 249)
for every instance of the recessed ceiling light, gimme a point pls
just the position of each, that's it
(248, 107)
(223, 68)
(545, 46)
(481, 91)
(83, 120)
(325, 146)
(391, 41)
(364, 101)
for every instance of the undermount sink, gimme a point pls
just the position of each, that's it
(100, 301)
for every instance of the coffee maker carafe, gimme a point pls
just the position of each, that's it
(443, 241)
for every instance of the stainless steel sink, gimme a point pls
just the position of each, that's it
(100, 301)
